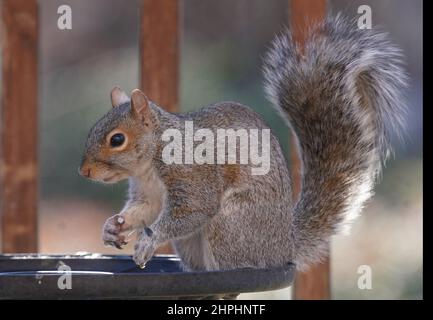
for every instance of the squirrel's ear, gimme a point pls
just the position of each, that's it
(140, 104)
(118, 97)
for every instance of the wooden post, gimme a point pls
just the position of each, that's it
(159, 43)
(18, 127)
(159, 56)
(314, 284)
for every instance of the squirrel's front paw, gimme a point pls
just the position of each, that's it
(144, 249)
(113, 231)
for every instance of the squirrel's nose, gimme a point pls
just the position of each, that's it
(85, 171)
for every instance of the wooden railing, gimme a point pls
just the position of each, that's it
(19, 126)
(314, 284)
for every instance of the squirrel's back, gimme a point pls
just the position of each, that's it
(226, 114)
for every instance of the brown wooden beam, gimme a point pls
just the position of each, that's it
(159, 57)
(159, 44)
(18, 127)
(314, 284)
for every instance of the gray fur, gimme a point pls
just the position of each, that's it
(342, 99)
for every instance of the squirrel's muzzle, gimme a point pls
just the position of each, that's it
(85, 170)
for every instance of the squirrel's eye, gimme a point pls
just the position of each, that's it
(117, 140)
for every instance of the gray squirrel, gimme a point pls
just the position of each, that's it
(343, 98)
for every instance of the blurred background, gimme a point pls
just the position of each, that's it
(222, 45)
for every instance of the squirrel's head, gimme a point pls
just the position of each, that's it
(122, 143)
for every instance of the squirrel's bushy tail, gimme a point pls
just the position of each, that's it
(343, 97)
